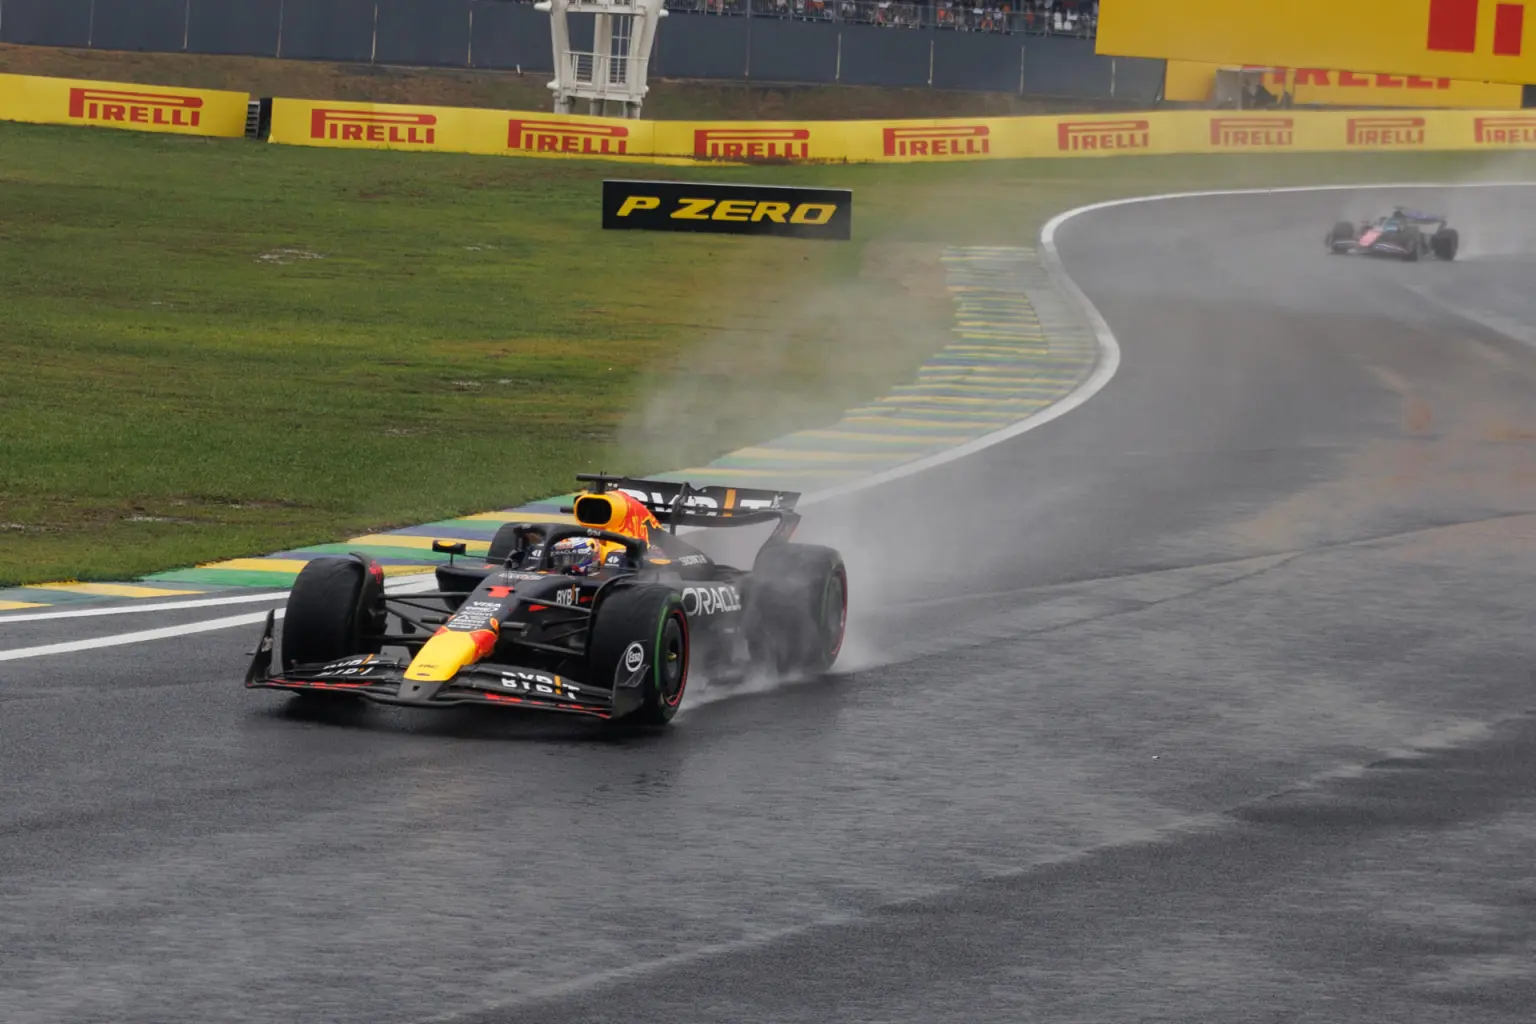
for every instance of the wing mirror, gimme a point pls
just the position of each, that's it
(449, 548)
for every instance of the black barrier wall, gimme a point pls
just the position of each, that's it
(505, 35)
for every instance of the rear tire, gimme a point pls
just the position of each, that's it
(334, 601)
(797, 609)
(1445, 243)
(650, 618)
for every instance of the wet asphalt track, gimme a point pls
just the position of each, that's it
(1224, 716)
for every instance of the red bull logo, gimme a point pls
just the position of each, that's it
(636, 519)
(567, 137)
(1385, 131)
(752, 143)
(114, 106)
(406, 128)
(1513, 130)
(1102, 136)
(951, 140)
(1252, 132)
(1453, 27)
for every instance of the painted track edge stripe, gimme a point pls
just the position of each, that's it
(1104, 370)
(403, 584)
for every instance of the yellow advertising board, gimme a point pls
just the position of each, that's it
(842, 141)
(1464, 40)
(348, 125)
(515, 133)
(1195, 82)
(344, 124)
(143, 108)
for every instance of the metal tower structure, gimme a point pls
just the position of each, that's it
(611, 76)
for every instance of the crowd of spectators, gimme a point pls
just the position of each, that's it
(1040, 17)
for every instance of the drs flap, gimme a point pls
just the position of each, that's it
(728, 209)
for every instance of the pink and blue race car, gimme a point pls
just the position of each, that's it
(1402, 234)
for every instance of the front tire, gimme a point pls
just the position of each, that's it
(797, 609)
(642, 629)
(330, 609)
(1341, 234)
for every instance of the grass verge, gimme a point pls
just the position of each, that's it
(216, 348)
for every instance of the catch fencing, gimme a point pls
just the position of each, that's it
(851, 42)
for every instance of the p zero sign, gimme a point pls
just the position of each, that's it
(1467, 40)
(728, 209)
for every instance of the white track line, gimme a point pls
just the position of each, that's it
(118, 640)
(396, 585)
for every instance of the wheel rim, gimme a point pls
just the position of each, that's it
(672, 660)
(835, 613)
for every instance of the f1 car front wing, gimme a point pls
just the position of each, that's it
(382, 680)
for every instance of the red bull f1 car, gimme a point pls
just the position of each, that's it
(1401, 234)
(604, 617)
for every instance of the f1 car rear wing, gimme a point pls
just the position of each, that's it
(1418, 217)
(677, 504)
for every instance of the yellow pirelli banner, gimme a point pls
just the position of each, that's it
(1168, 132)
(348, 125)
(141, 108)
(517, 133)
(1318, 131)
(1195, 82)
(343, 124)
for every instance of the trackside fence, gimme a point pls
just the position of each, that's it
(978, 47)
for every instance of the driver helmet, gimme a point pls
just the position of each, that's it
(578, 555)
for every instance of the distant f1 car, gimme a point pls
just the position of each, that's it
(1401, 234)
(604, 617)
